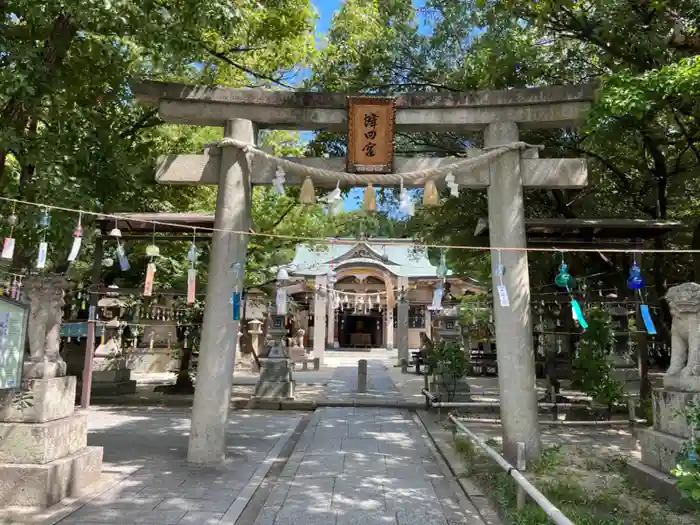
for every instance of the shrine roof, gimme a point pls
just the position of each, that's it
(398, 256)
(143, 222)
(566, 231)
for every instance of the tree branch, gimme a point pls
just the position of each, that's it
(230, 61)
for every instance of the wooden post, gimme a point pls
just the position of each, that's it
(92, 313)
(521, 465)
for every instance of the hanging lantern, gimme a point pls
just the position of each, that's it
(45, 220)
(431, 197)
(370, 202)
(635, 280)
(308, 193)
(564, 279)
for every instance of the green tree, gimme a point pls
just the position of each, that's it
(70, 134)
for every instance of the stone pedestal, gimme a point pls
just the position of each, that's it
(111, 375)
(275, 381)
(662, 443)
(44, 455)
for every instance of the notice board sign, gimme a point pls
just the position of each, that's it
(371, 134)
(13, 333)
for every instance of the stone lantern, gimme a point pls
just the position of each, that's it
(275, 381)
(447, 328)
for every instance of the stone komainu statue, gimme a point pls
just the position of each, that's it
(684, 303)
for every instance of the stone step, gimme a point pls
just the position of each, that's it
(41, 443)
(26, 485)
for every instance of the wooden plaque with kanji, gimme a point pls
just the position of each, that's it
(370, 135)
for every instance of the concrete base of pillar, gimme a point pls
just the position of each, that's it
(26, 485)
(274, 391)
(307, 364)
(41, 443)
(662, 484)
(660, 450)
(112, 389)
(112, 383)
(662, 444)
(275, 380)
(44, 455)
(40, 400)
(461, 392)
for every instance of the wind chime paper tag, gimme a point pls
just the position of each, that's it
(500, 270)
(92, 311)
(150, 276)
(437, 298)
(73, 255)
(578, 313)
(503, 295)
(41, 258)
(281, 301)
(191, 285)
(648, 321)
(123, 260)
(236, 301)
(8, 248)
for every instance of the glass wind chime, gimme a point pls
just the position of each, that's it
(567, 281)
(636, 282)
(43, 225)
(116, 234)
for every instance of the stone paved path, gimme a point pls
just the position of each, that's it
(364, 466)
(343, 384)
(160, 488)
(349, 466)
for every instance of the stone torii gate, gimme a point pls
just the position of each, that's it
(241, 112)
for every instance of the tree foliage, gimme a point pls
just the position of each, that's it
(71, 134)
(642, 137)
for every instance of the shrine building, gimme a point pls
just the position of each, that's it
(359, 310)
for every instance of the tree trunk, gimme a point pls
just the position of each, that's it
(695, 245)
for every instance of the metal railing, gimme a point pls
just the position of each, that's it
(524, 486)
(432, 401)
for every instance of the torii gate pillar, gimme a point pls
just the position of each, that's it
(515, 351)
(212, 395)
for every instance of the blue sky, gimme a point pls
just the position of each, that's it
(326, 9)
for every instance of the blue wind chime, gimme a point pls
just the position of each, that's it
(236, 298)
(636, 282)
(565, 280)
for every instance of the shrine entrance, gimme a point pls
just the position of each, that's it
(503, 168)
